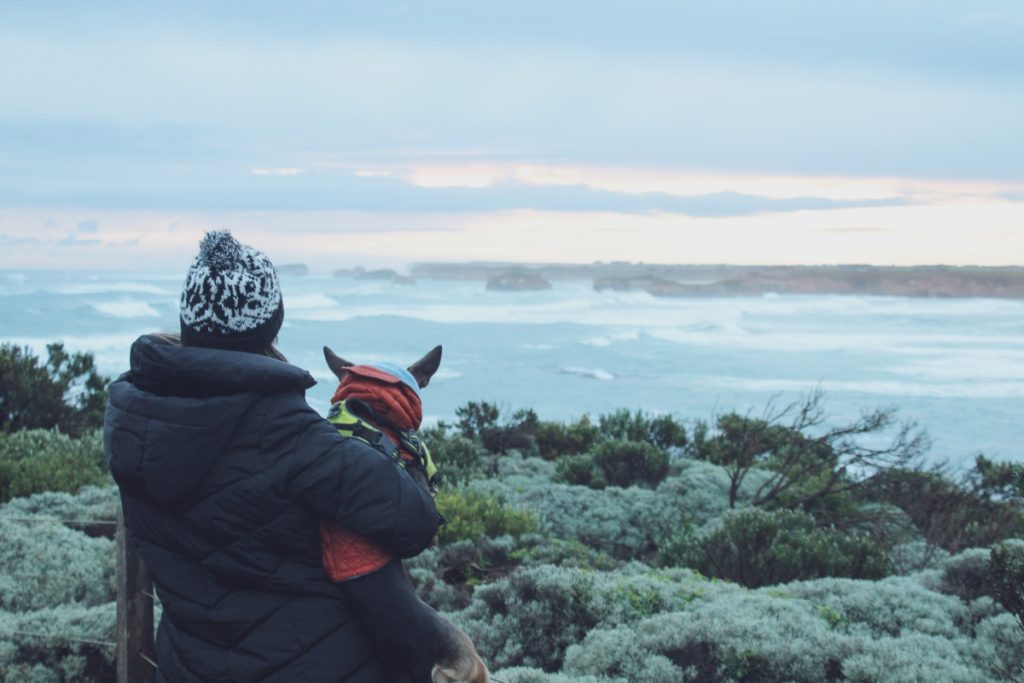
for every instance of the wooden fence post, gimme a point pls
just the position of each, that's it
(135, 652)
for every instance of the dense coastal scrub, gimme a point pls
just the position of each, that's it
(621, 547)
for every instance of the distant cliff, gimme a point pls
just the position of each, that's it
(725, 280)
(518, 281)
(916, 282)
(382, 274)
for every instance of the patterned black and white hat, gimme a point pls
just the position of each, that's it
(231, 298)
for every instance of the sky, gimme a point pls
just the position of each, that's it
(345, 133)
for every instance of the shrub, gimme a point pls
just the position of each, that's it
(887, 608)
(579, 470)
(65, 644)
(949, 514)
(531, 616)
(555, 439)
(1006, 573)
(626, 523)
(616, 463)
(759, 548)
(623, 522)
(966, 575)
(721, 640)
(481, 421)
(536, 549)
(472, 516)
(810, 632)
(445, 575)
(45, 564)
(64, 393)
(915, 556)
(662, 431)
(458, 458)
(38, 460)
(92, 503)
(525, 674)
(631, 463)
(806, 469)
(475, 417)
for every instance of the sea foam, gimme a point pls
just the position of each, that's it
(127, 308)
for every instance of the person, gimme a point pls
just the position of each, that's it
(225, 473)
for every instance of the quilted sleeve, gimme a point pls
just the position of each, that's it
(349, 482)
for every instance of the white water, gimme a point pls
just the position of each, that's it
(956, 366)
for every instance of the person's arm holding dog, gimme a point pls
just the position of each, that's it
(352, 483)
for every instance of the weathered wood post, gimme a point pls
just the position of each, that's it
(135, 652)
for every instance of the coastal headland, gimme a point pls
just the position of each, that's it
(730, 280)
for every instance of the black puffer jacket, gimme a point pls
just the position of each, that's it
(225, 472)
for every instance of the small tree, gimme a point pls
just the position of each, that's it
(952, 512)
(805, 468)
(760, 548)
(66, 392)
(481, 420)
(1006, 571)
(661, 430)
(476, 417)
(998, 481)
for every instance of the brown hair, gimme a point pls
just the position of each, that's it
(270, 351)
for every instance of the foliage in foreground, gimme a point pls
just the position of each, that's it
(638, 581)
(640, 625)
(57, 588)
(38, 460)
(64, 392)
(757, 548)
(473, 516)
(1006, 574)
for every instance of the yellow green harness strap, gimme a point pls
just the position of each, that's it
(346, 417)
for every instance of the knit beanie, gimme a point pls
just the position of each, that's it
(231, 298)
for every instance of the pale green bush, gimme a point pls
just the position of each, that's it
(626, 523)
(48, 645)
(911, 658)
(444, 576)
(531, 616)
(522, 674)
(825, 630)
(45, 564)
(999, 647)
(744, 636)
(623, 522)
(92, 503)
(966, 575)
(888, 607)
(916, 556)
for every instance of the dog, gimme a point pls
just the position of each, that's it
(416, 643)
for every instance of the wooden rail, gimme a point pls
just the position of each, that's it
(136, 657)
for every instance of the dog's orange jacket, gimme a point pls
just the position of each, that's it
(347, 555)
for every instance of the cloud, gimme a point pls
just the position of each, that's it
(285, 171)
(90, 226)
(16, 240)
(73, 240)
(387, 194)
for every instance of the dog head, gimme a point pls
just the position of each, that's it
(422, 370)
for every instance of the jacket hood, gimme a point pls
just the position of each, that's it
(170, 417)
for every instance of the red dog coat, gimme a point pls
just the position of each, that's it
(347, 555)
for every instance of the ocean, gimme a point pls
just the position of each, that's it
(953, 366)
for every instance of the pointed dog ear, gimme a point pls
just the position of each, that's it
(336, 363)
(425, 367)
